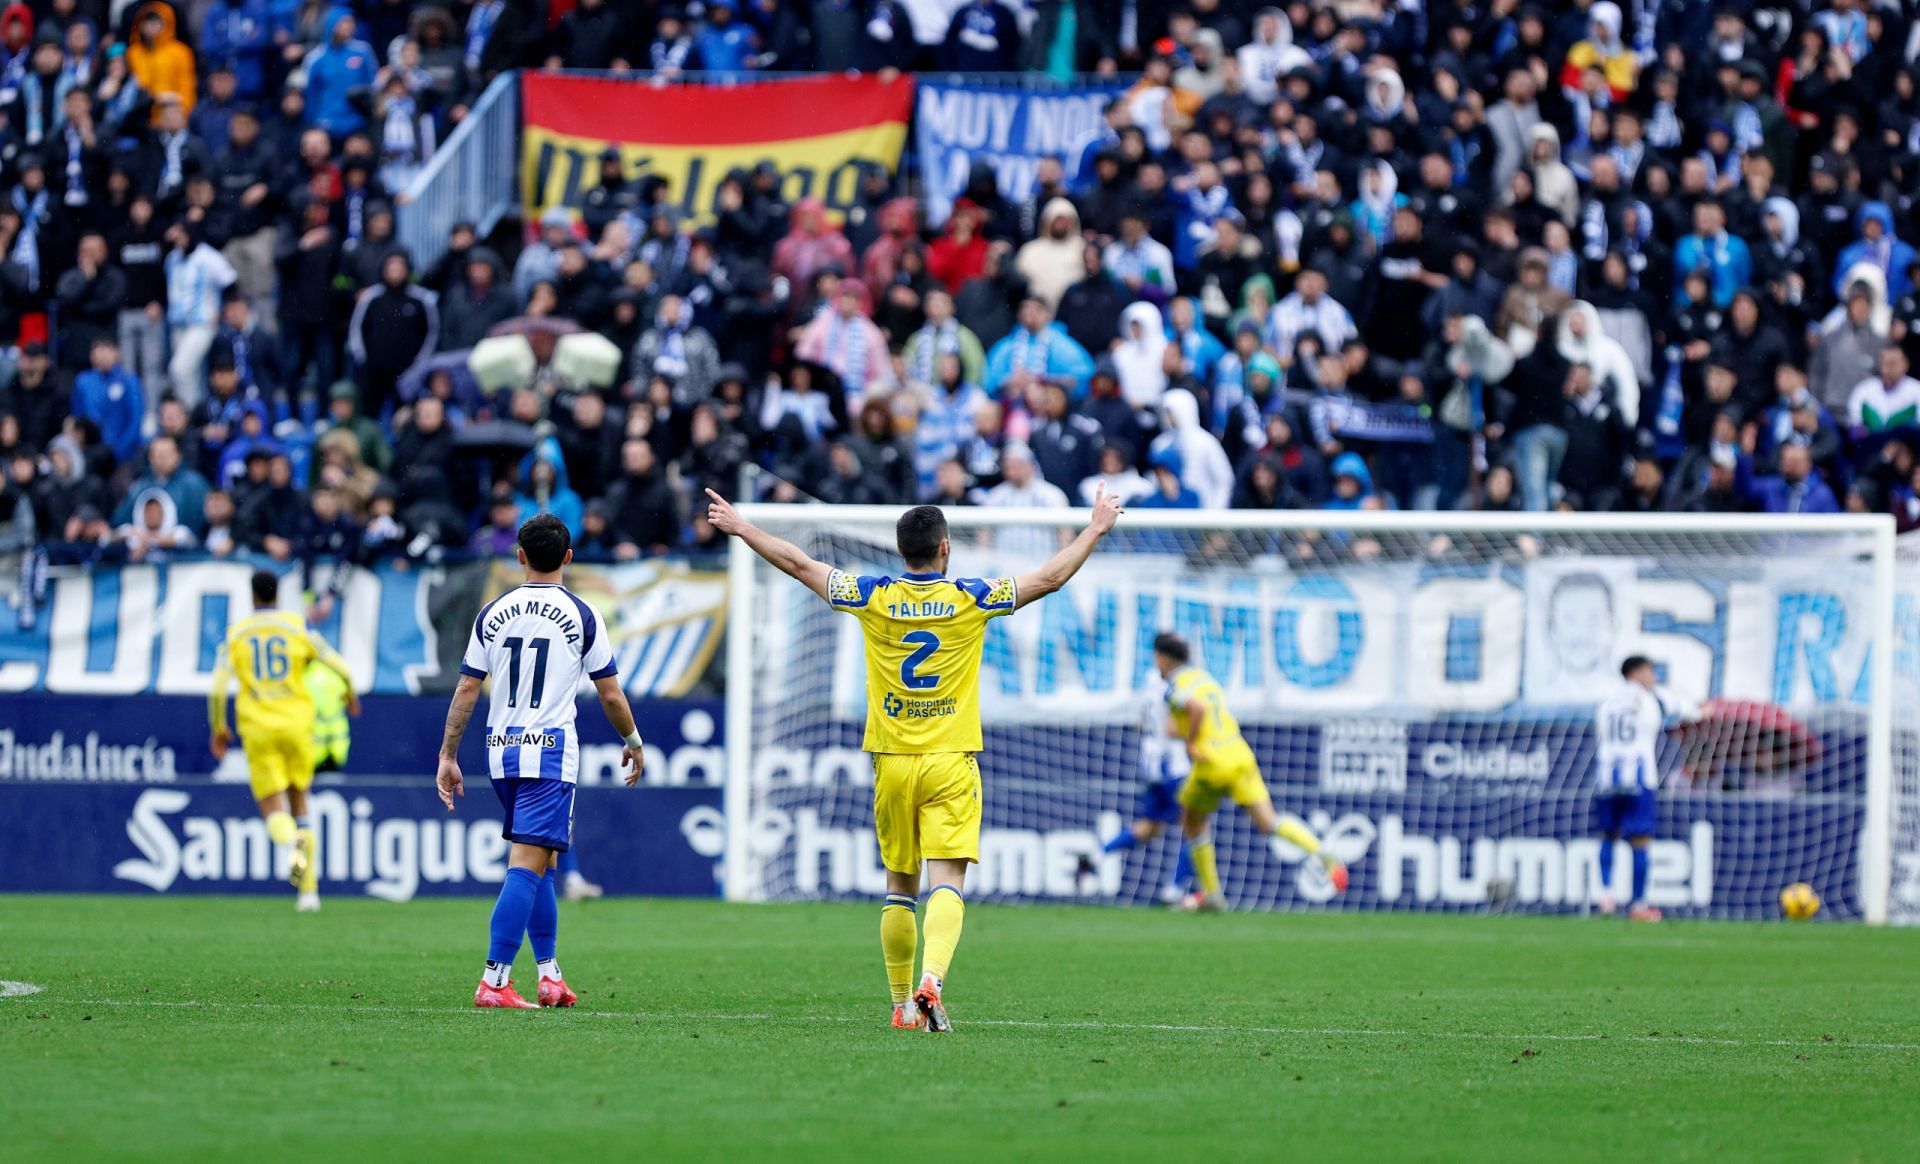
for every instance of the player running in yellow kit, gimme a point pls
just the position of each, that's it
(270, 652)
(924, 633)
(1223, 768)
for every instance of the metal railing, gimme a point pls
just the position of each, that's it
(474, 176)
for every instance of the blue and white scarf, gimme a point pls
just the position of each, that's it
(400, 131)
(479, 28)
(76, 192)
(1032, 352)
(26, 245)
(847, 350)
(936, 340)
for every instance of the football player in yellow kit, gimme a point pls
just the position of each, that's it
(1223, 768)
(924, 632)
(270, 652)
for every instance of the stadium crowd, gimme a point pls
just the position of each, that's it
(1342, 253)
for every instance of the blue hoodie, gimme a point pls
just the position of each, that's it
(333, 73)
(562, 501)
(234, 33)
(113, 400)
(1890, 254)
(1355, 466)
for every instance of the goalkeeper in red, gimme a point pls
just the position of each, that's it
(924, 633)
(1223, 769)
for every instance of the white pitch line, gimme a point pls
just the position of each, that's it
(1037, 1024)
(12, 989)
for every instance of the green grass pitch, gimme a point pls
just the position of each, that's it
(225, 1029)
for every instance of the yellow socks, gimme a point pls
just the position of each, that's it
(1204, 868)
(946, 910)
(897, 939)
(281, 829)
(310, 881)
(1295, 831)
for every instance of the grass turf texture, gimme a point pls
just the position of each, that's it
(216, 1029)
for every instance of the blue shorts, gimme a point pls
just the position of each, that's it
(1159, 801)
(539, 812)
(1625, 814)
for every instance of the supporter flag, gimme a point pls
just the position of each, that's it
(1009, 129)
(820, 132)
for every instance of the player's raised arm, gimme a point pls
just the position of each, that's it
(782, 554)
(448, 779)
(1039, 583)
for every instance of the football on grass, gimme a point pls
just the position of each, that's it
(1799, 902)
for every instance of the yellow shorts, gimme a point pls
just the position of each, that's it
(926, 807)
(1233, 775)
(277, 761)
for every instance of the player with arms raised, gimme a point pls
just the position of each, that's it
(272, 651)
(924, 633)
(1223, 768)
(1627, 728)
(537, 641)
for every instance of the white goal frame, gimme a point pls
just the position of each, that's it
(1878, 530)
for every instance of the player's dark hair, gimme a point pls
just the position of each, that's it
(1172, 646)
(1634, 663)
(919, 534)
(266, 587)
(545, 540)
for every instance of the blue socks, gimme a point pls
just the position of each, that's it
(1183, 867)
(511, 914)
(543, 924)
(1640, 860)
(569, 863)
(1606, 861)
(1122, 841)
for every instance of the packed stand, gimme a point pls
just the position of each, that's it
(1342, 255)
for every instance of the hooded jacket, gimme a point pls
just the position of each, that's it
(1612, 368)
(165, 66)
(1052, 265)
(558, 498)
(1205, 467)
(1355, 466)
(1614, 57)
(185, 491)
(334, 74)
(114, 401)
(393, 327)
(466, 312)
(1264, 61)
(1889, 254)
(134, 530)
(1847, 353)
(1137, 359)
(1554, 185)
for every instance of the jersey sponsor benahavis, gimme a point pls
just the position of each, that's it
(1627, 727)
(537, 642)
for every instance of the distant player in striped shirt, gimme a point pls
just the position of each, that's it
(1627, 729)
(537, 642)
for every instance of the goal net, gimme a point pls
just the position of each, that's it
(1419, 688)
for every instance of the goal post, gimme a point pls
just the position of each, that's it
(1418, 686)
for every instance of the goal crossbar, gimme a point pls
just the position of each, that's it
(1876, 531)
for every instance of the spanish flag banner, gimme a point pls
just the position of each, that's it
(821, 133)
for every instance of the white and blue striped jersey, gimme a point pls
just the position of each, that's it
(538, 642)
(1163, 756)
(1627, 727)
